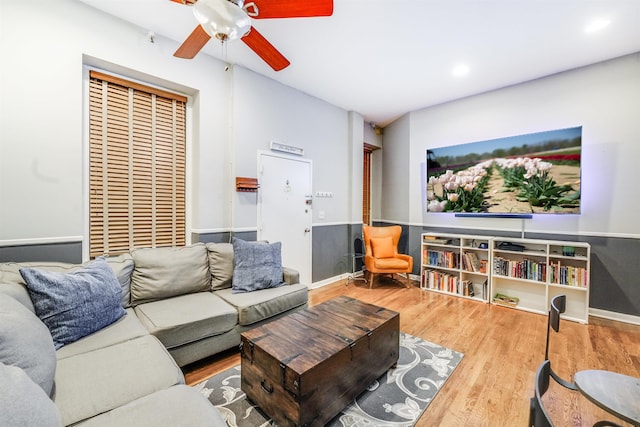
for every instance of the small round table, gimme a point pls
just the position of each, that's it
(615, 393)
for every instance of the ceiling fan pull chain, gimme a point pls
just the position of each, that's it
(224, 50)
(252, 9)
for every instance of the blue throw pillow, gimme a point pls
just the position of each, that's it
(75, 304)
(256, 265)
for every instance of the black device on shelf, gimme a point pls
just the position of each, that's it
(509, 246)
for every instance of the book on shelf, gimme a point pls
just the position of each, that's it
(568, 275)
(480, 289)
(521, 269)
(434, 279)
(506, 300)
(472, 262)
(483, 266)
(467, 288)
(447, 259)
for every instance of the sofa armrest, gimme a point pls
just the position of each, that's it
(290, 276)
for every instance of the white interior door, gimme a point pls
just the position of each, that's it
(284, 209)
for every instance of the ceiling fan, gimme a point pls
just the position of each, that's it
(230, 19)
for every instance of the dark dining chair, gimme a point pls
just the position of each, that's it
(538, 415)
(558, 306)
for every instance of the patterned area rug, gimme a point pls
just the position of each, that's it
(397, 398)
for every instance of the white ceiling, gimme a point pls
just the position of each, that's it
(384, 58)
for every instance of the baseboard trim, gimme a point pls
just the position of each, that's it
(42, 241)
(612, 315)
(329, 281)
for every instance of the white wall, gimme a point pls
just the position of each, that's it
(370, 135)
(397, 178)
(356, 163)
(42, 132)
(604, 99)
(264, 111)
(46, 45)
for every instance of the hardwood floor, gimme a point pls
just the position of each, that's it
(502, 349)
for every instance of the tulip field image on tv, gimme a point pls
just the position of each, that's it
(525, 174)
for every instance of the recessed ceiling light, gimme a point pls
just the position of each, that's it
(460, 70)
(596, 25)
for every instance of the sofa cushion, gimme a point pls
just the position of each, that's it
(256, 306)
(10, 271)
(220, 264)
(390, 264)
(256, 265)
(98, 381)
(126, 328)
(23, 402)
(12, 283)
(187, 318)
(75, 304)
(25, 342)
(122, 266)
(19, 293)
(161, 273)
(176, 406)
(290, 276)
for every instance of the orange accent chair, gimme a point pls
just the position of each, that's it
(381, 252)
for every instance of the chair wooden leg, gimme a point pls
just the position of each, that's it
(371, 277)
(408, 281)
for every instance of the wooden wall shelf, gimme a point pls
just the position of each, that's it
(247, 185)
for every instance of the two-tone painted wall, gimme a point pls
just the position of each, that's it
(605, 100)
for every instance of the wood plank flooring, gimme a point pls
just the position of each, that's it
(502, 348)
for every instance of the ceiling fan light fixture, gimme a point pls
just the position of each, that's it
(222, 19)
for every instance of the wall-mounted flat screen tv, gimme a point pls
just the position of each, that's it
(522, 175)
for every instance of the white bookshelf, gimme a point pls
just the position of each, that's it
(448, 265)
(540, 271)
(531, 270)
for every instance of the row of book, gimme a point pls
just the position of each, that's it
(524, 269)
(471, 262)
(568, 275)
(433, 279)
(446, 259)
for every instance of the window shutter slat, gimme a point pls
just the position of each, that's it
(137, 166)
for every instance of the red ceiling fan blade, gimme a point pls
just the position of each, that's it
(265, 50)
(264, 9)
(192, 45)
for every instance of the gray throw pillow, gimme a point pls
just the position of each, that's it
(75, 304)
(220, 265)
(23, 403)
(257, 266)
(25, 342)
(122, 266)
(161, 273)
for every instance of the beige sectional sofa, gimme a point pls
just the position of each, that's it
(179, 306)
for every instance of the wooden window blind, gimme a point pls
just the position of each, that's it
(366, 183)
(136, 166)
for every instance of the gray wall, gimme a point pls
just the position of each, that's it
(330, 249)
(61, 252)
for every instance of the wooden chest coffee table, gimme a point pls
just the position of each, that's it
(303, 369)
